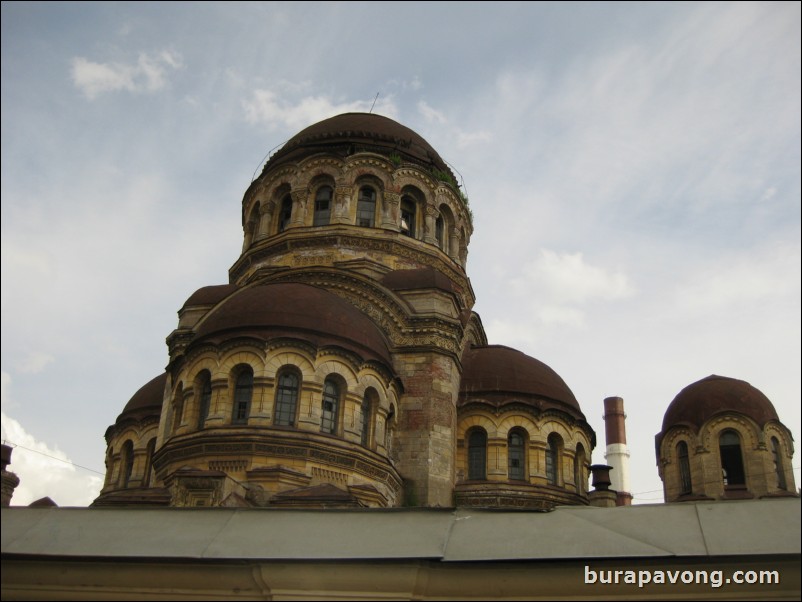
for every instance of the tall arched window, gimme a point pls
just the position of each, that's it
(389, 424)
(330, 404)
(149, 462)
(126, 463)
(286, 399)
(776, 451)
(243, 392)
(285, 213)
(205, 401)
(580, 479)
(366, 207)
(408, 216)
(553, 468)
(732, 463)
(439, 227)
(477, 454)
(516, 456)
(368, 403)
(685, 484)
(322, 206)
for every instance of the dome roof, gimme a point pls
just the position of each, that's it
(150, 395)
(268, 311)
(372, 132)
(700, 401)
(496, 373)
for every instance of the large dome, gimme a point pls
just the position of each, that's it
(293, 310)
(498, 374)
(700, 401)
(149, 395)
(359, 131)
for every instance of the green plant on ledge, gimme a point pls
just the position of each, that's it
(395, 159)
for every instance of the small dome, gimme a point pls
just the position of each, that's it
(209, 295)
(150, 395)
(268, 311)
(363, 131)
(700, 401)
(497, 373)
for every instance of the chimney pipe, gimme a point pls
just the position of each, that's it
(617, 454)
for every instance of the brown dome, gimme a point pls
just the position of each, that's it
(359, 131)
(700, 401)
(498, 373)
(268, 311)
(210, 295)
(151, 395)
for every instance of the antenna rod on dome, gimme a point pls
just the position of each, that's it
(374, 103)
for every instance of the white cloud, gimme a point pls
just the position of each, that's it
(34, 362)
(568, 278)
(149, 74)
(43, 470)
(429, 113)
(266, 107)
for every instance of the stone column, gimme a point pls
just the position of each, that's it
(342, 205)
(430, 216)
(391, 214)
(300, 197)
(266, 212)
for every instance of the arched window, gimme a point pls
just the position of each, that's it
(205, 401)
(732, 463)
(243, 392)
(477, 454)
(285, 213)
(439, 227)
(516, 456)
(776, 450)
(149, 462)
(286, 399)
(408, 216)
(366, 207)
(330, 404)
(126, 463)
(580, 479)
(685, 484)
(553, 468)
(322, 206)
(368, 403)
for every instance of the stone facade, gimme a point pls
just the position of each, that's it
(329, 371)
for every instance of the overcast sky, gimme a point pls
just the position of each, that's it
(633, 170)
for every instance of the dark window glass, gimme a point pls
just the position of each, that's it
(285, 214)
(553, 460)
(732, 464)
(149, 462)
(477, 454)
(331, 398)
(684, 468)
(366, 207)
(322, 206)
(408, 217)
(579, 470)
(243, 391)
(286, 399)
(366, 416)
(515, 456)
(438, 232)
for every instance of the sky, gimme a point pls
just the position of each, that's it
(633, 170)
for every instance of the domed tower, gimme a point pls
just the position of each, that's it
(522, 440)
(722, 439)
(130, 445)
(326, 372)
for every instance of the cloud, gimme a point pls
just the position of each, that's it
(149, 74)
(429, 113)
(568, 278)
(34, 362)
(267, 108)
(43, 470)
